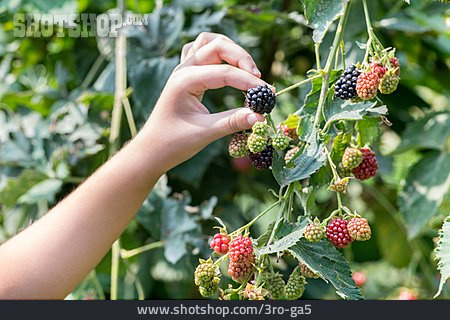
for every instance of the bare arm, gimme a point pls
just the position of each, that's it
(50, 258)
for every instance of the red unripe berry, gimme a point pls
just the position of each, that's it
(240, 269)
(241, 248)
(337, 233)
(368, 166)
(406, 294)
(241, 165)
(379, 69)
(395, 64)
(359, 278)
(367, 85)
(220, 243)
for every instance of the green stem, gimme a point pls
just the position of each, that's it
(298, 84)
(129, 115)
(222, 258)
(127, 254)
(97, 284)
(317, 53)
(93, 71)
(120, 82)
(329, 64)
(248, 225)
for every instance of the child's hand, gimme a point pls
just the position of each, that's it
(179, 120)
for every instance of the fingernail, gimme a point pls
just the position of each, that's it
(252, 119)
(256, 71)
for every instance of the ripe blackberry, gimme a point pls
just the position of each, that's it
(345, 87)
(295, 286)
(220, 243)
(389, 83)
(359, 229)
(274, 283)
(290, 154)
(314, 232)
(395, 64)
(240, 248)
(263, 159)
(240, 269)
(256, 143)
(260, 99)
(307, 272)
(204, 273)
(260, 128)
(280, 142)
(367, 85)
(210, 288)
(338, 234)
(352, 158)
(368, 166)
(238, 145)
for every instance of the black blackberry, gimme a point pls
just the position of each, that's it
(345, 87)
(260, 99)
(263, 159)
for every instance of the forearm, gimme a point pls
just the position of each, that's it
(48, 259)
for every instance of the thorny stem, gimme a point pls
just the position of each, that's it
(298, 84)
(329, 64)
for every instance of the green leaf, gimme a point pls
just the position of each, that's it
(291, 121)
(329, 263)
(193, 170)
(429, 132)
(425, 187)
(340, 142)
(443, 254)
(312, 98)
(15, 187)
(295, 233)
(369, 129)
(147, 78)
(43, 191)
(176, 222)
(346, 110)
(309, 161)
(320, 14)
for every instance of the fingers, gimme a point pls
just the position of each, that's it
(231, 121)
(203, 38)
(219, 50)
(198, 79)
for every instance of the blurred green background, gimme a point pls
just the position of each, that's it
(57, 93)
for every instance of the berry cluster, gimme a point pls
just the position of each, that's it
(360, 163)
(340, 232)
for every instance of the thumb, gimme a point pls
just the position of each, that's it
(231, 121)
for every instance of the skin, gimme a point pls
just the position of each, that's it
(51, 257)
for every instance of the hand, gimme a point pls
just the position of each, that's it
(179, 120)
